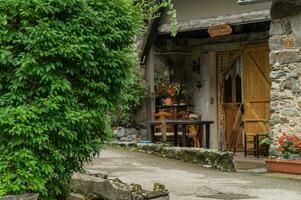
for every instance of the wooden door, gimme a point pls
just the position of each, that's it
(256, 88)
(229, 93)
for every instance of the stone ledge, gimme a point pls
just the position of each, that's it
(223, 161)
(91, 186)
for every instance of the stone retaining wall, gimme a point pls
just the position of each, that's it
(285, 61)
(223, 161)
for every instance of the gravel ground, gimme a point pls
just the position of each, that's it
(187, 181)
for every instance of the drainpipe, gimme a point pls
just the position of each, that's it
(247, 2)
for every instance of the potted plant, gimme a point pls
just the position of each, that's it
(181, 92)
(166, 91)
(289, 158)
(171, 93)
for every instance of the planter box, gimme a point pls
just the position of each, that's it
(284, 166)
(21, 197)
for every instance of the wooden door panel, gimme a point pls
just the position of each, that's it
(256, 88)
(231, 111)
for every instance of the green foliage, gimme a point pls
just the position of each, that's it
(64, 66)
(150, 10)
(131, 101)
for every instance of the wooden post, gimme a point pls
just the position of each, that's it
(150, 80)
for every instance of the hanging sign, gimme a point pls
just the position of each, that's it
(220, 30)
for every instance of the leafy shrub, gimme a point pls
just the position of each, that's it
(64, 65)
(130, 103)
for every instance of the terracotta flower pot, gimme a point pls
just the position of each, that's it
(21, 197)
(284, 166)
(168, 101)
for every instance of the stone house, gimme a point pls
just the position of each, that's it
(229, 55)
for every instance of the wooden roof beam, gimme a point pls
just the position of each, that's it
(232, 19)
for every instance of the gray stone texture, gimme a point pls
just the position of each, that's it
(74, 196)
(285, 64)
(284, 8)
(21, 197)
(223, 161)
(100, 188)
(94, 187)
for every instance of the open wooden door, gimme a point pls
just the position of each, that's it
(256, 88)
(229, 94)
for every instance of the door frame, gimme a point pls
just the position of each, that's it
(221, 128)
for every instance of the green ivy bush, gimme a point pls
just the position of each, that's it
(131, 102)
(64, 65)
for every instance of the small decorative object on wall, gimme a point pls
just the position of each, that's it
(288, 43)
(289, 147)
(220, 30)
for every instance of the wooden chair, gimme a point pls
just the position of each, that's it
(195, 132)
(182, 115)
(163, 128)
(252, 140)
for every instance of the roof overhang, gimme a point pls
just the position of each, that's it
(231, 19)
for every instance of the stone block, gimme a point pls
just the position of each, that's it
(100, 188)
(273, 57)
(280, 27)
(293, 74)
(275, 42)
(299, 101)
(296, 25)
(290, 112)
(28, 196)
(288, 56)
(74, 196)
(110, 189)
(277, 74)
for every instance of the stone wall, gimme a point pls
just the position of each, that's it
(208, 158)
(285, 61)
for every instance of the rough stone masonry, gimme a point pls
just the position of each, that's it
(285, 62)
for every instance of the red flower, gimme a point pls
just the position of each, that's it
(297, 142)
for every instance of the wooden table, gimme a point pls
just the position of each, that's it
(183, 123)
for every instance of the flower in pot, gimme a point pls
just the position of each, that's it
(289, 146)
(289, 157)
(166, 91)
(181, 92)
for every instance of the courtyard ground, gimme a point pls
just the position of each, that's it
(187, 181)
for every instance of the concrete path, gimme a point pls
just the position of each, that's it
(187, 181)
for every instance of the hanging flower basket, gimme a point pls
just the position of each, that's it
(284, 166)
(21, 197)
